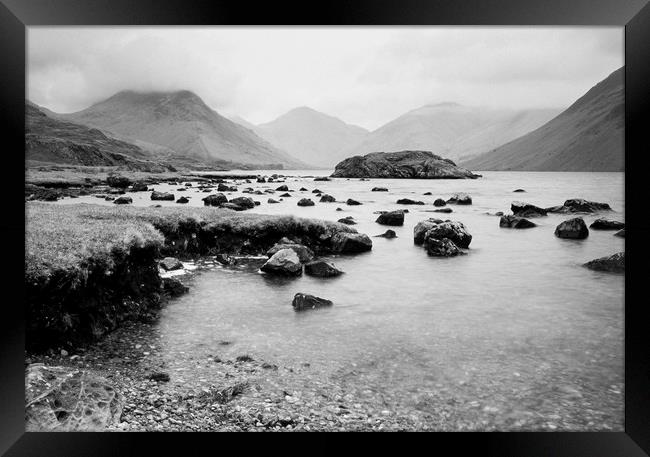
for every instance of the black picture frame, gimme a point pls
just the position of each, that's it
(15, 15)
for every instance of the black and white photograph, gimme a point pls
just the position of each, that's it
(325, 228)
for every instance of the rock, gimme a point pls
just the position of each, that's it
(460, 199)
(620, 233)
(379, 189)
(243, 202)
(408, 201)
(579, 205)
(302, 302)
(439, 202)
(515, 222)
(69, 399)
(327, 199)
(261, 179)
(283, 188)
(441, 247)
(443, 210)
(174, 287)
(429, 193)
(188, 184)
(573, 228)
(270, 200)
(123, 200)
(316, 191)
(121, 182)
(285, 262)
(232, 206)
(351, 243)
(403, 164)
(224, 259)
(322, 269)
(519, 190)
(183, 200)
(285, 195)
(389, 234)
(352, 202)
(349, 220)
(304, 253)
(322, 178)
(139, 186)
(155, 195)
(522, 209)
(170, 263)
(225, 188)
(614, 263)
(303, 189)
(339, 209)
(422, 228)
(305, 202)
(107, 198)
(392, 218)
(453, 230)
(606, 224)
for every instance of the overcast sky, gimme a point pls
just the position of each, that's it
(364, 76)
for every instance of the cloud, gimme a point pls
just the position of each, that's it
(365, 76)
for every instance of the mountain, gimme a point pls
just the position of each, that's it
(452, 130)
(312, 136)
(588, 136)
(244, 123)
(53, 141)
(182, 122)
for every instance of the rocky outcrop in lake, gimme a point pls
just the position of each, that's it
(515, 222)
(453, 230)
(302, 302)
(573, 228)
(521, 209)
(156, 195)
(392, 218)
(285, 262)
(351, 243)
(403, 164)
(613, 263)
(322, 269)
(304, 253)
(441, 248)
(460, 199)
(579, 205)
(606, 224)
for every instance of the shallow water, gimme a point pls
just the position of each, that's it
(516, 333)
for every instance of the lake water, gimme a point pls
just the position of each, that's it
(514, 335)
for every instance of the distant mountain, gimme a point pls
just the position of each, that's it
(53, 141)
(588, 136)
(244, 123)
(182, 122)
(452, 130)
(312, 136)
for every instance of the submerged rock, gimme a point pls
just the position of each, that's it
(285, 195)
(388, 234)
(573, 228)
(304, 253)
(170, 263)
(379, 189)
(579, 205)
(392, 218)
(244, 202)
(303, 302)
(155, 195)
(453, 230)
(606, 224)
(614, 263)
(439, 202)
(519, 190)
(123, 200)
(225, 188)
(232, 206)
(443, 210)
(408, 201)
(282, 188)
(322, 269)
(270, 200)
(460, 199)
(441, 247)
(349, 220)
(285, 262)
(305, 202)
(327, 199)
(522, 209)
(402, 164)
(183, 200)
(515, 222)
(351, 243)
(352, 202)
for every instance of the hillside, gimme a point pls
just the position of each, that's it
(588, 136)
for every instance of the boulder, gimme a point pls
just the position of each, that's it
(606, 224)
(441, 247)
(121, 182)
(155, 195)
(349, 220)
(453, 230)
(316, 191)
(614, 263)
(244, 202)
(439, 202)
(351, 243)
(327, 199)
(519, 190)
(232, 206)
(573, 228)
(283, 188)
(460, 199)
(215, 200)
(226, 188)
(183, 200)
(579, 205)
(422, 228)
(139, 186)
(389, 234)
(522, 209)
(66, 399)
(428, 193)
(339, 209)
(303, 189)
(123, 200)
(304, 253)
(352, 202)
(620, 233)
(402, 164)
(303, 302)
(174, 287)
(322, 178)
(285, 195)
(322, 269)
(270, 200)
(285, 262)
(305, 202)
(379, 189)
(443, 210)
(408, 201)
(170, 263)
(261, 179)
(392, 218)
(188, 184)
(515, 222)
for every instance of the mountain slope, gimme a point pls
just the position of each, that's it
(452, 130)
(182, 122)
(588, 136)
(312, 136)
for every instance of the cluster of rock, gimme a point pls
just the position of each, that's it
(237, 204)
(442, 238)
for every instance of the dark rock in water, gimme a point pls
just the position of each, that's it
(389, 234)
(352, 202)
(244, 202)
(155, 195)
(573, 228)
(225, 188)
(283, 188)
(121, 182)
(261, 179)
(460, 199)
(443, 210)
(159, 376)
(285, 195)
(515, 222)
(392, 218)
(257, 203)
(441, 247)
(327, 199)
(620, 233)
(339, 209)
(174, 287)
(232, 206)
(408, 201)
(123, 200)
(614, 263)
(522, 209)
(139, 186)
(322, 178)
(224, 259)
(107, 198)
(453, 230)
(285, 262)
(302, 302)
(322, 269)
(215, 200)
(403, 164)
(379, 189)
(499, 213)
(304, 253)
(579, 205)
(170, 263)
(305, 202)
(183, 200)
(606, 224)
(519, 190)
(422, 228)
(302, 189)
(270, 200)
(351, 243)
(65, 399)
(316, 191)
(349, 220)
(439, 202)
(428, 193)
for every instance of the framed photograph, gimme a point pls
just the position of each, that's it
(354, 217)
